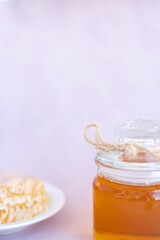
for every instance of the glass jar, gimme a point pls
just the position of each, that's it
(126, 192)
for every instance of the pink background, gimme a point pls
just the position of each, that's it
(63, 64)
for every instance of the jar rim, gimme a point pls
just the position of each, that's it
(113, 159)
(132, 173)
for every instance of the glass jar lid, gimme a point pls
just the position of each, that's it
(143, 132)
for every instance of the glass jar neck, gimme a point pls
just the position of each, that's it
(125, 176)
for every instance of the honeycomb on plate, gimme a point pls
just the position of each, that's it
(21, 197)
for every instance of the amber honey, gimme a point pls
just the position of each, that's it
(126, 212)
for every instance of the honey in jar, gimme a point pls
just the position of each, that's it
(126, 193)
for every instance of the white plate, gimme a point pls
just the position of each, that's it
(55, 201)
